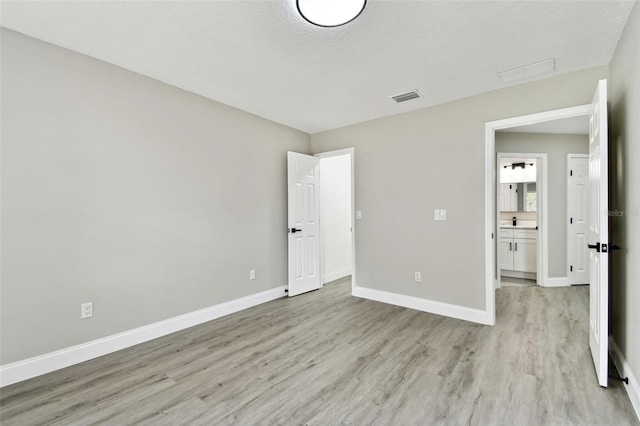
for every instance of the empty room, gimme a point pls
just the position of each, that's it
(320, 212)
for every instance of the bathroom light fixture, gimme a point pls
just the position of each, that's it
(514, 165)
(330, 13)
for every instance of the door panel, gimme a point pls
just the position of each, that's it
(577, 200)
(303, 226)
(599, 234)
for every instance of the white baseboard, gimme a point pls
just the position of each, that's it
(556, 282)
(518, 274)
(425, 305)
(336, 275)
(633, 388)
(36, 366)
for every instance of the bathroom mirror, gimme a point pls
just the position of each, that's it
(518, 197)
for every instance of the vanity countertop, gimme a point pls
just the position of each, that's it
(521, 224)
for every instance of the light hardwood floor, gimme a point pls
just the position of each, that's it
(326, 358)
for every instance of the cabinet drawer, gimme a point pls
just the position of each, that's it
(505, 233)
(525, 233)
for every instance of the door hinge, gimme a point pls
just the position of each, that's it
(571, 220)
(571, 268)
(570, 172)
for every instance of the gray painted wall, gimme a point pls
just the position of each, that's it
(410, 164)
(624, 183)
(147, 200)
(557, 147)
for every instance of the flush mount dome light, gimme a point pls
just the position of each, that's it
(330, 13)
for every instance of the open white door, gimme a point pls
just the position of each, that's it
(304, 227)
(599, 233)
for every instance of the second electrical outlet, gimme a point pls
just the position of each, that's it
(86, 310)
(418, 277)
(252, 274)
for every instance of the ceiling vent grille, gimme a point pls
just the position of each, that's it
(403, 97)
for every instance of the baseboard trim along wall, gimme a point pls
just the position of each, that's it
(336, 275)
(36, 366)
(633, 388)
(556, 282)
(425, 305)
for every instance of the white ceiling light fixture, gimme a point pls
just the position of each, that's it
(330, 13)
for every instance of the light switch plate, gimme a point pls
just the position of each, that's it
(440, 214)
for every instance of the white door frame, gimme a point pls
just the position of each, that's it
(542, 214)
(490, 189)
(351, 153)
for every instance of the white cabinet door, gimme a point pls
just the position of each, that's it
(505, 253)
(525, 255)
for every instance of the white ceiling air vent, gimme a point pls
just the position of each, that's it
(403, 97)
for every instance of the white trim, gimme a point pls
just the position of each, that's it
(490, 231)
(633, 388)
(519, 274)
(491, 271)
(425, 305)
(42, 364)
(336, 275)
(540, 117)
(351, 152)
(556, 282)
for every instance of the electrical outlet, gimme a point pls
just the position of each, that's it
(252, 274)
(440, 214)
(418, 277)
(86, 310)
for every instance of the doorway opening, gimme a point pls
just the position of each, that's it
(597, 216)
(521, 212)
(336, 215)
(491, 214)
(321, 236)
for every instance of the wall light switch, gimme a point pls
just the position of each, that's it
(439, 214)
(358, 214)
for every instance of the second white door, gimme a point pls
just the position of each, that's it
(577, 228)
(304, 227)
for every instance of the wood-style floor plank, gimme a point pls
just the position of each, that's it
(326, 358)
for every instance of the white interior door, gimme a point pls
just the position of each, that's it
(303, 224)
(599, 233)
(577, 195)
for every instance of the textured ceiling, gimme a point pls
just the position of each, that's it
(259, 56)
